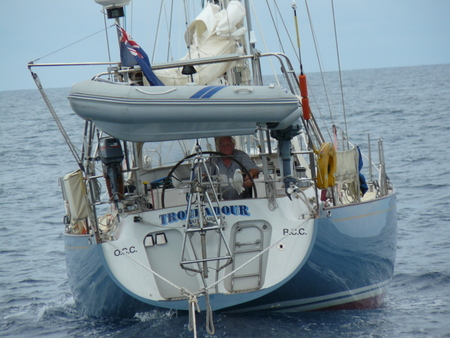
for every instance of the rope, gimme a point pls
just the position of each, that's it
(209, 316)
(305, 200)
(182, 290)
(253, 258)
(187, 292)
(271, 195)
(193, 297)
(160, 93)
(193, 307)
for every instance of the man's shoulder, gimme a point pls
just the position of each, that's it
(246, 160)
(238, 152)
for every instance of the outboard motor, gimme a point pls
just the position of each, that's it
(111, 155)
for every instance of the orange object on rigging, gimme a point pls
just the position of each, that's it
(303, 86)
(304, 93)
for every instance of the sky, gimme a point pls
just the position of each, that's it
(371, 34)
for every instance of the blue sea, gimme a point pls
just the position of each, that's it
(408, 107)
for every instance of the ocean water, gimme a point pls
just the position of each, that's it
(409, 107)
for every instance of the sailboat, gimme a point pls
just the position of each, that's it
(149, 220)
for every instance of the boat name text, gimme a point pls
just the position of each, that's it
(236, 210)
(294, 232)
(125, 251)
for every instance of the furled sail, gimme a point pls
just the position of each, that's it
(214, 32)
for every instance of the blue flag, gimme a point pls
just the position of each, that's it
(132, 54)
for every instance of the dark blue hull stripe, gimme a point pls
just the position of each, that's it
(206, 92)
(320, 302)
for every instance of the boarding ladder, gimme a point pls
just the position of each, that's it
(207, 227)
(243, 251)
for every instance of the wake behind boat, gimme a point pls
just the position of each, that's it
(200, 185)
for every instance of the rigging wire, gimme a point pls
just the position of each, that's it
(287, 31)
(71, 44)
(264, 42)
(157, 30)
(275, 25)
(340, 72)
(320, 66)
(169, 46)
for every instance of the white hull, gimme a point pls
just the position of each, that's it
(139, 269)
(303, 264)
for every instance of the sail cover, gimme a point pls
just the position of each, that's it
(214, 32)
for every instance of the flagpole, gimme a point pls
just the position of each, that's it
(256, 66)
(117, 21)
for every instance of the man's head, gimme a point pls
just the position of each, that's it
(225, 144)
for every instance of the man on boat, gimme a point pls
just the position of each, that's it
(228, 167)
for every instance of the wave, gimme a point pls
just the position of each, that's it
(423, 280)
